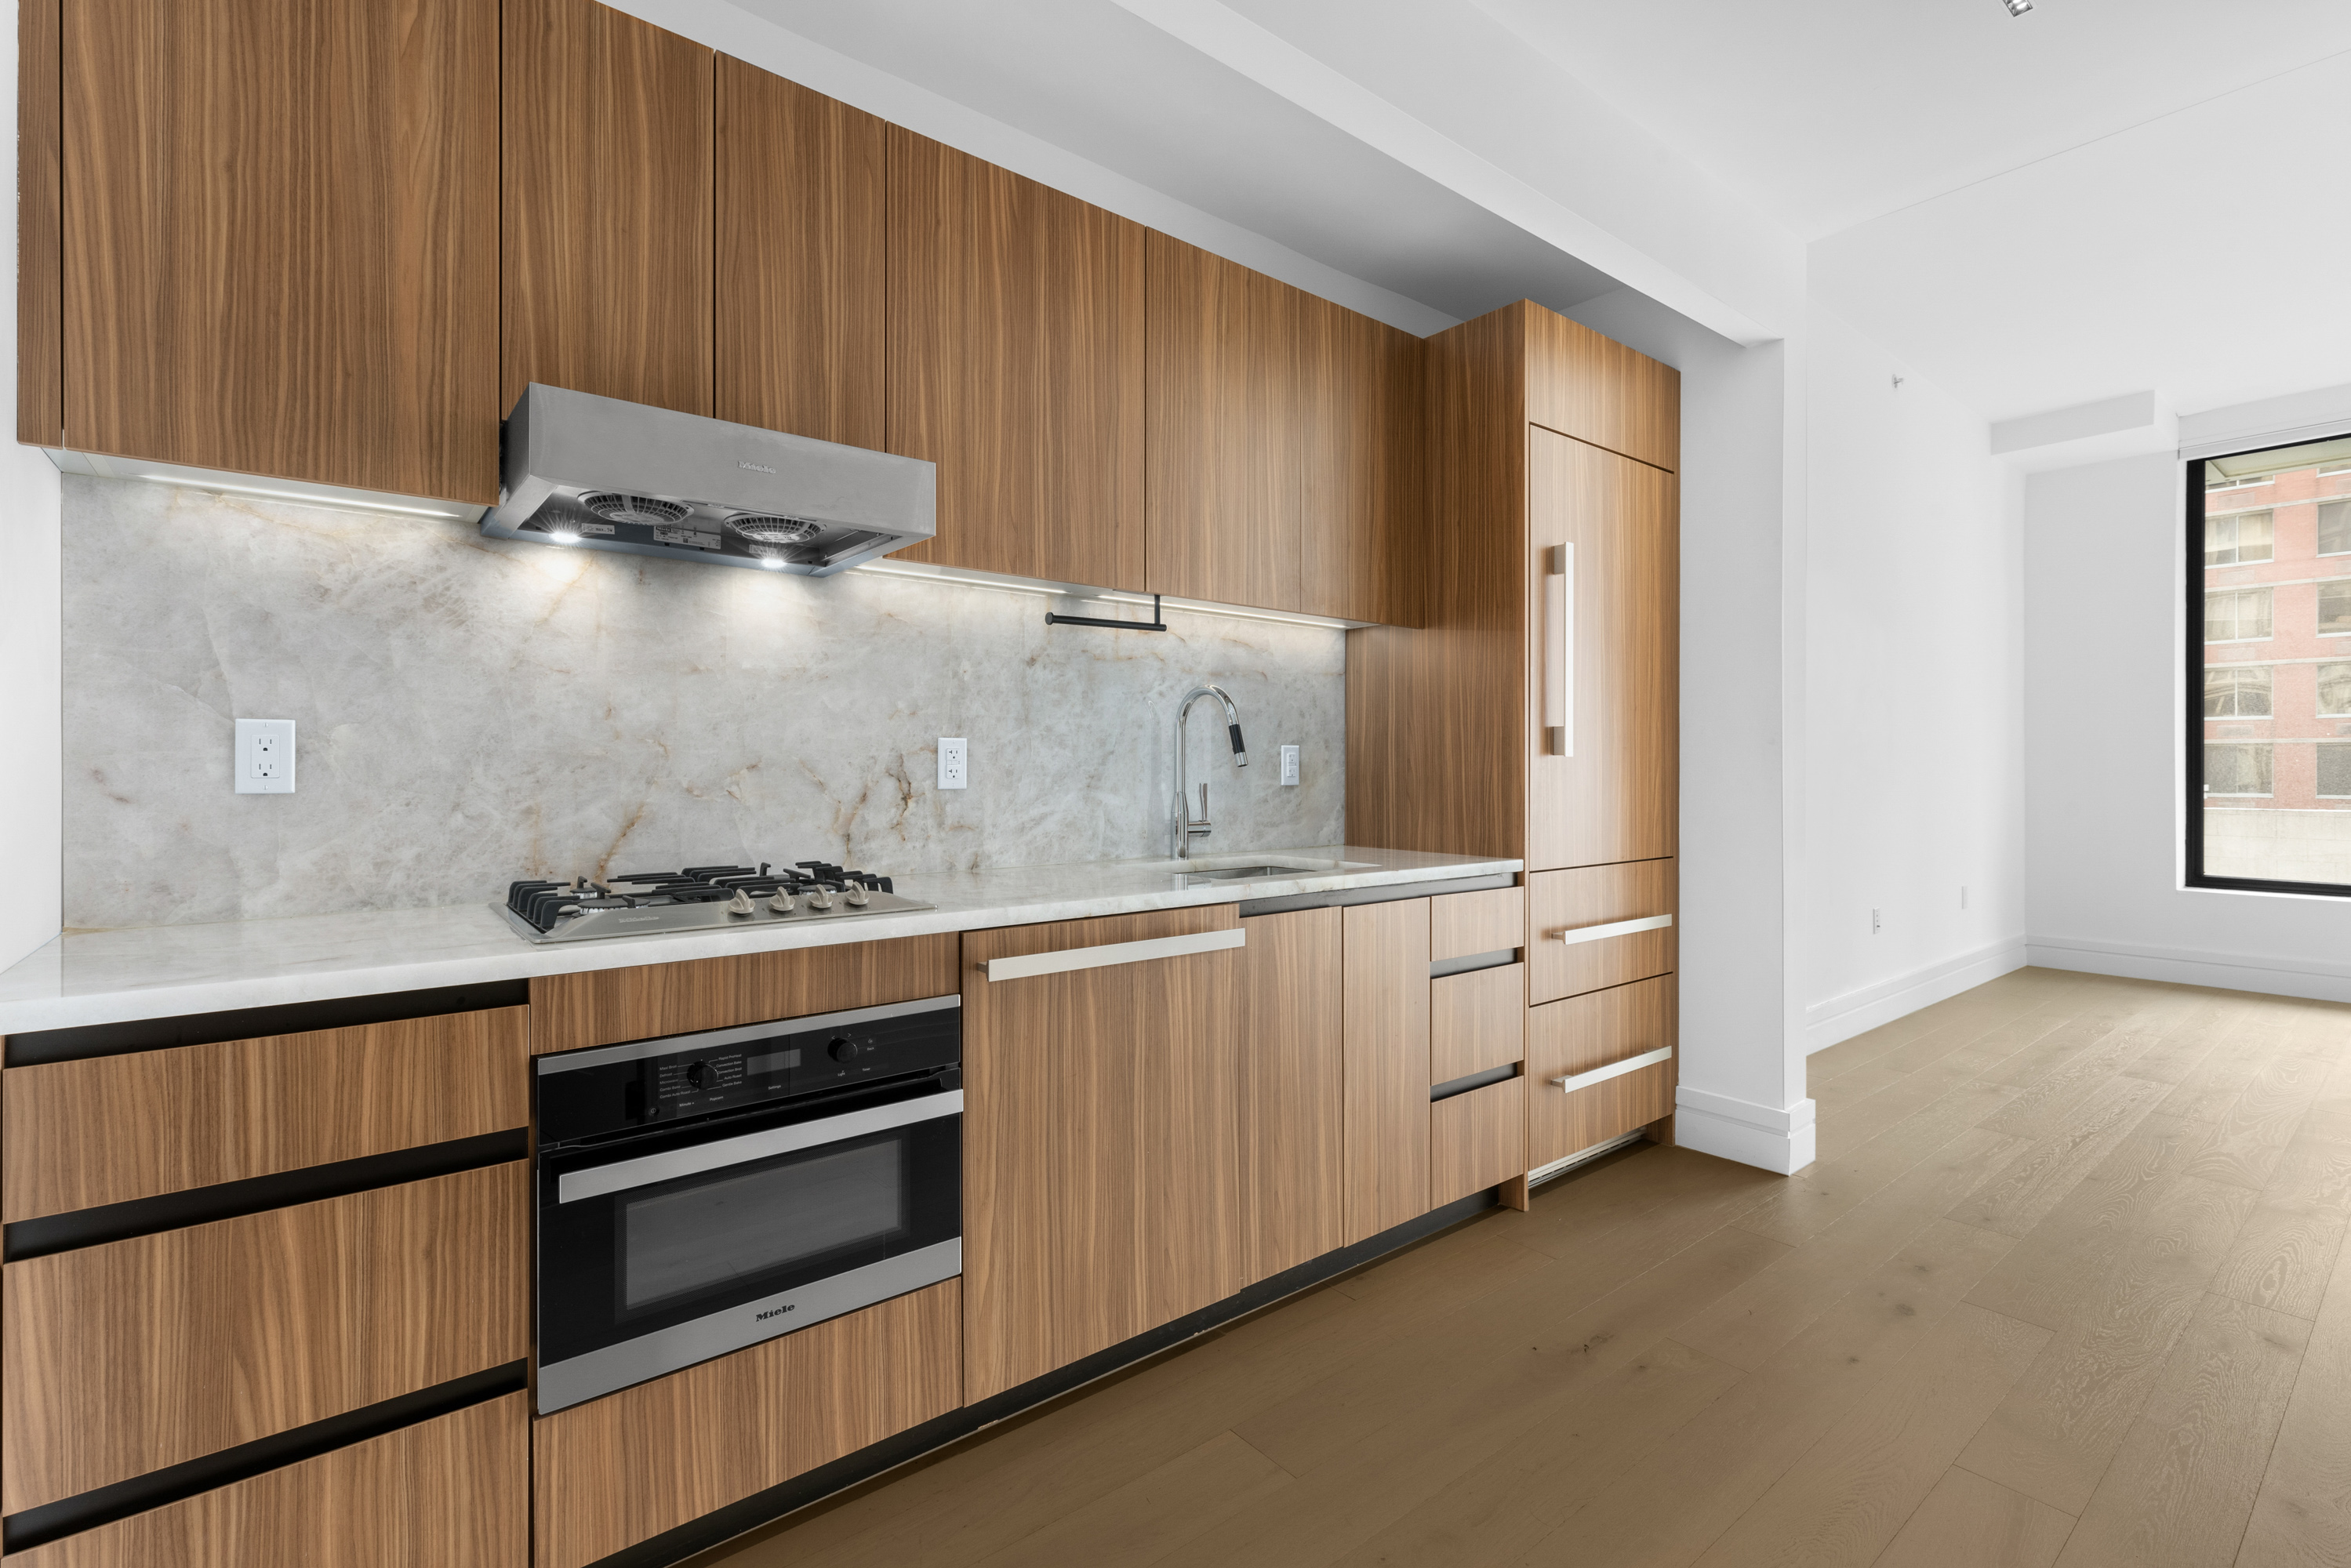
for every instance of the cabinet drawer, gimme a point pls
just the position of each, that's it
(624, 1469)
(116, 1128)
(453, 1491)
(1476, 1021)
(1590, 1035)
(1462, 925)
(1476, 1140)
(124, 1358)
(1574, 943)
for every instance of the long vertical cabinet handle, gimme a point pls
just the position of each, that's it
(1559, 649)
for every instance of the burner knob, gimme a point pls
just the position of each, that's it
(820, 898)
(740, 904)
(843, 1049)
(782, 903)
(702, 1076)
(858, 897)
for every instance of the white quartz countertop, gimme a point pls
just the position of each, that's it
(163, 971)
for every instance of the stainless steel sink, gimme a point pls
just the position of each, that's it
(1243, 873)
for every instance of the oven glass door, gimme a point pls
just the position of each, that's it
(702, 1244)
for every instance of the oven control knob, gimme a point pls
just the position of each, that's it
(843, 1050)
(702, 1076)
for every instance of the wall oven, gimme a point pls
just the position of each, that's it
(701, 1193)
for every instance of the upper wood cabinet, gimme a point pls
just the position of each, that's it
(801, 275)
(1361, 544)
(278, 251)
(1016, 364)
(607, 281)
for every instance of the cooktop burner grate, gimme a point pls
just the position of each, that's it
(698, 898)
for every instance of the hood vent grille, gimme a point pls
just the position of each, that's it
(685, 488)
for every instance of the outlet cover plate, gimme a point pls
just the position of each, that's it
(1290, 765)
(955, 762)
(264, 756)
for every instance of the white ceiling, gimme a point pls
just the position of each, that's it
(1833, 111)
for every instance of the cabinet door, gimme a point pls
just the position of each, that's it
(800, 262)
(1589, 1041)
(1477, 1140)
(621, 1469)
(129, 1357)
(606, 282)
(1362, 548)
(452, 1492)
(1100, 1137)
(1016, 364)
(1478, 1022)
(1291, 1071)
(1225, 480)
(1608, 637)
(1384, 1018)
(279, 244)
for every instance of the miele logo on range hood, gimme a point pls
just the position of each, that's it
(596, 473)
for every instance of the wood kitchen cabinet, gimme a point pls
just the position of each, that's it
(1291, 1074)
(801, 274)
(262, 238)
(1614, 1050)
(607, 284)
(1384, 1019)
(1016, 364)
(1361, 546)
(1101, 1135)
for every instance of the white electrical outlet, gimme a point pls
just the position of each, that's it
(1290, 765)
(1963, 895)
(955, 762)
(264, 756)
(1875, 922)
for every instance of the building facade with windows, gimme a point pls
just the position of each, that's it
(2277, 670)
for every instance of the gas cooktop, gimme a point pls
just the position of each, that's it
(699, 898)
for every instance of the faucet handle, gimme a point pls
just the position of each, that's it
(1204, 803)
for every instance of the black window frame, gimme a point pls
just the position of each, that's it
(2192, 474)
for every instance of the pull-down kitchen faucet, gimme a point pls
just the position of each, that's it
(1184, 826)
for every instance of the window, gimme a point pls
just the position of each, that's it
(2335, 770)
(2334, 527)
(2335, 609)
(2268, 689)
(2237, 617)
(2334, 689)
(2242, 536)
(2237, 691)
(2237, 768)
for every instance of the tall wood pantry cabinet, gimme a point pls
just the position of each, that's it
(1536, 713)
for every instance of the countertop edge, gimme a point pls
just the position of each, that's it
(333, 979)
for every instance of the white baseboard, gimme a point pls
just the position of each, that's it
(1730, 1129)
(1856, 1012)
(2223, 971)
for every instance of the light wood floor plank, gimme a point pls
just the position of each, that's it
(1968, 1521)
(2301, 1518)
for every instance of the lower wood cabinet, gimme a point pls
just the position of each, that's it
(1384, 1018)
(1292, 1160)
(1466, 924)
(625, 1468)
(122, 1358)
(1589, 1035)
(1596, 926)
(1101, 1134)
(1478, 1022)
(452, 1493)
(1477, 1140)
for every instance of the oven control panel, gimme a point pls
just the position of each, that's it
(607, 1089)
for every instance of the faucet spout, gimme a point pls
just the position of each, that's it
(1184, 826)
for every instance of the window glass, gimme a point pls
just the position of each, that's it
(2334, 527)
(2268, 710)
(2237, 691)
(2240, 537)
(2233, 617)
(2334, 608)
(2335, 688)
(2239, 769)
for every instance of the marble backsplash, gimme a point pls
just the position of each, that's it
(472, 710)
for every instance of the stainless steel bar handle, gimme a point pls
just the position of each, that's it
(1576, 1081)
(1613, 928)
(1109, 953)
(623, 1175)
(1559, 649)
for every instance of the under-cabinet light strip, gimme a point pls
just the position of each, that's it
(309, 500)
(1187, 606)
(904, 575)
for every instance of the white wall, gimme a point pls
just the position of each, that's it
(2102, 630)
(1913, 643)
(31, 829)
(1742, 762)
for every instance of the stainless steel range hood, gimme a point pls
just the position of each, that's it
(595, 473)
